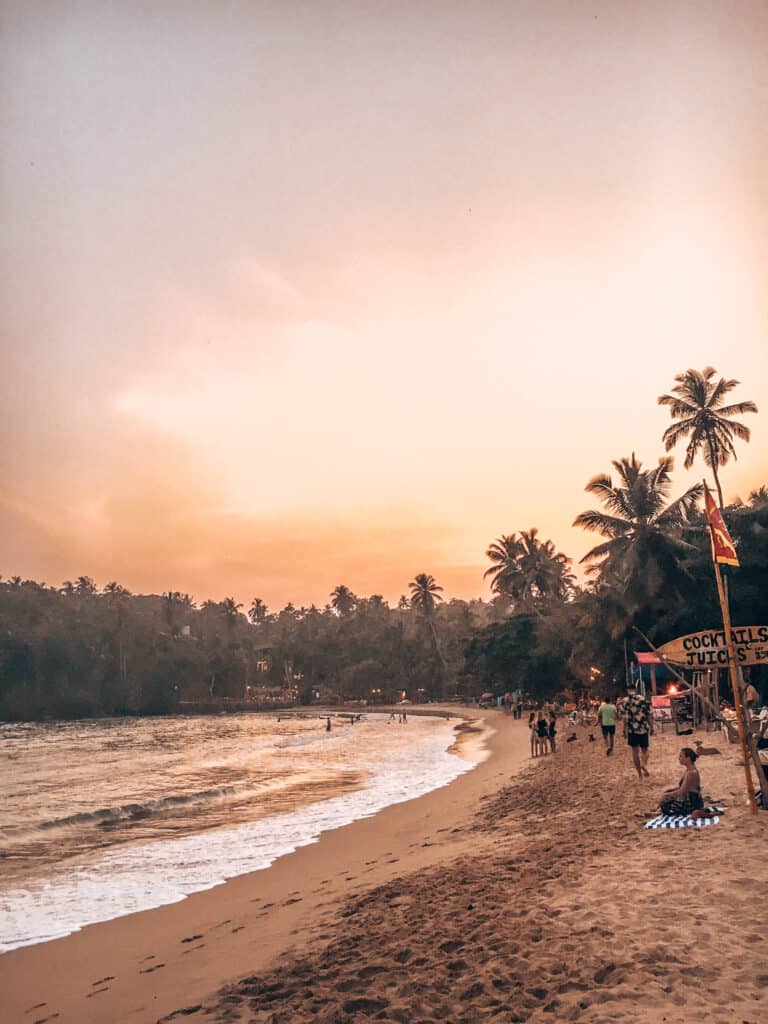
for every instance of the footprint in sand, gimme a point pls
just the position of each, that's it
(192, 938)
(150, 970)
(185, 1011)
(109, 977)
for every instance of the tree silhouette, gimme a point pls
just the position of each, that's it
(528, 572)
(343, 601)
(258, 613)
(696, 403)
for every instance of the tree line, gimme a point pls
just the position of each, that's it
(75, 650)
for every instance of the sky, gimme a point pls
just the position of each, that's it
(297, 294)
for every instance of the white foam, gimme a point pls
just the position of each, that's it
(129, 879)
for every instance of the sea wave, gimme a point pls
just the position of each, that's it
(127, 812)
(151, 874)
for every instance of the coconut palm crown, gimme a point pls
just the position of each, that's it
(343, 601)
(643, 542)
(528, 571)
(696, 403)
(425, 593)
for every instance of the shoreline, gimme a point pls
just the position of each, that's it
(512, 894)
(141, 966)
(561, 907)
(372, 767)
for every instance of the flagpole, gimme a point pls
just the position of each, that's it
(734, 676)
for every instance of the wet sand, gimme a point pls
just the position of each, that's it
(506, 896)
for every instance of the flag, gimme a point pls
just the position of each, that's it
(723, 549)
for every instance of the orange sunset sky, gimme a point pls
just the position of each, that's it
(305, 293)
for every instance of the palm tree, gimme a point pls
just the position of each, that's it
(697, 403)
(504, 553)
(544, 570)
(258, 612)
(115, 595)
(115, 589)
(425, 593)
(640, 556)
(231, 610)
(527, 571)
(343, 601)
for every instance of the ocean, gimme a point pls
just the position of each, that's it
(104, 818)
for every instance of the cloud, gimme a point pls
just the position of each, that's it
(150, 511)
(258, 284)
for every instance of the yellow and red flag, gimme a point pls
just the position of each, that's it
(723, 548)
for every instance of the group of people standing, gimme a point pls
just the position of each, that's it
(543, 729)
(637, 728)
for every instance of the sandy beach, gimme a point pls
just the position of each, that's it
(516, 893)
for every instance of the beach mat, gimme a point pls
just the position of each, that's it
(684, 820)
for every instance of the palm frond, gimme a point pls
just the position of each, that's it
(719, 391)
(737, 409)
(676, 431)
(599, 522)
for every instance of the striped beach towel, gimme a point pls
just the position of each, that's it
(684, 820)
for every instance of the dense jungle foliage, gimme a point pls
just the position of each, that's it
(76, 650)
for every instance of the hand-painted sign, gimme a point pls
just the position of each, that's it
(708, 649)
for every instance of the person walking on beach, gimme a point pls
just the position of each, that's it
(534, 734)
(607, 714)
(638, 728)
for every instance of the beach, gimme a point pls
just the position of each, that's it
(520, 892)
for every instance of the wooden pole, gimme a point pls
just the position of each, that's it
(762, 779)
(734, 677)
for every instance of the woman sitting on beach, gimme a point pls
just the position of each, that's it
(686, 797)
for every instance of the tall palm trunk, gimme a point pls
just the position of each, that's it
(436, 643)
(713, 461)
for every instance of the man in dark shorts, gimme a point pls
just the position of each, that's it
(607, 714)
(638, 728)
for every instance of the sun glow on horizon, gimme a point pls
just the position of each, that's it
(353, 324)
